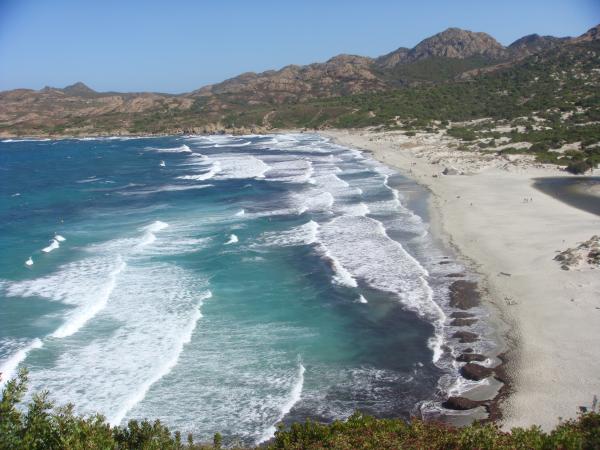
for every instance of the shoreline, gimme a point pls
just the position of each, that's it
(508, 232)
(545, 317)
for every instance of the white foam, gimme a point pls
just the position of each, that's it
(214, 169)
(233, 239)
(181, 149)
(362, 246)
(240, 213)
(88, 284)
(156, 226)
(184, 338)
(462, 385)
(303, 235)
(113, 138)
(175, 244)
(88, 180)
(341, 275)
(294, 170)
(59, 238)
(395, 192)
(53, 246)
(149, 236)
(89, 310)
(166, 188)
(240, 166)
(356, 209)
(8, 369)
(29, 261)
(151, 315)
(229, 166)
(243, 144)
(294, 397)
(313, 200)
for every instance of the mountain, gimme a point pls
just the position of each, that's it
(534, 43)
(79, 89)
(341, 75)
(593, 34)
(256, 99)
(452, 43)
(460, 44)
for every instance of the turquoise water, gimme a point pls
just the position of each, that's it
(219, 283)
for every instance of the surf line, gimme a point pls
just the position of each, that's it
(293, 398)
(163, 369)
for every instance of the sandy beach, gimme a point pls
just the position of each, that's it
(509, 232)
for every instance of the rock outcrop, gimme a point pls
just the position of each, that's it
(461, 403)
(585, 255)
(593, 34)
(465, 337)
(464, 294)
(534, 43)
(471, 357)
(475, 372)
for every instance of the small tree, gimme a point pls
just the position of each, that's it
(579, 167)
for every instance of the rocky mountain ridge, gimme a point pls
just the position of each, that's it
(453, 54)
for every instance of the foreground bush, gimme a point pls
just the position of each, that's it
(363, 432)
(40, 426)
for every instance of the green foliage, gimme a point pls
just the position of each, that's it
(465, 134)
(41, 426)
(363, 432)
(217, 440)
(561, 80)
(436, 69)
(579, 167)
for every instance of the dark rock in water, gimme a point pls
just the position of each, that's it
(445, 262)
(475, 372)
(462, 322)
(464, 294)
(461, 315)
(454, 275)
(468, 350)
(465, 337)
(470, 357)
(460, 403)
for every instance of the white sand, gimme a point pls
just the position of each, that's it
(553, 314)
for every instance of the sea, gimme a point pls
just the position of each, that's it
(221, 283)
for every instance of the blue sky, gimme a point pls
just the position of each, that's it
(176, 46)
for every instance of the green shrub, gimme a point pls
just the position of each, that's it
(579, 167)
(363, 432)
(41, 426)
(466, 134)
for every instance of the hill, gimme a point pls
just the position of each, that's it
(455, 70)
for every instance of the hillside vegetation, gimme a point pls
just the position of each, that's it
(39, 426)
(453, 75)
